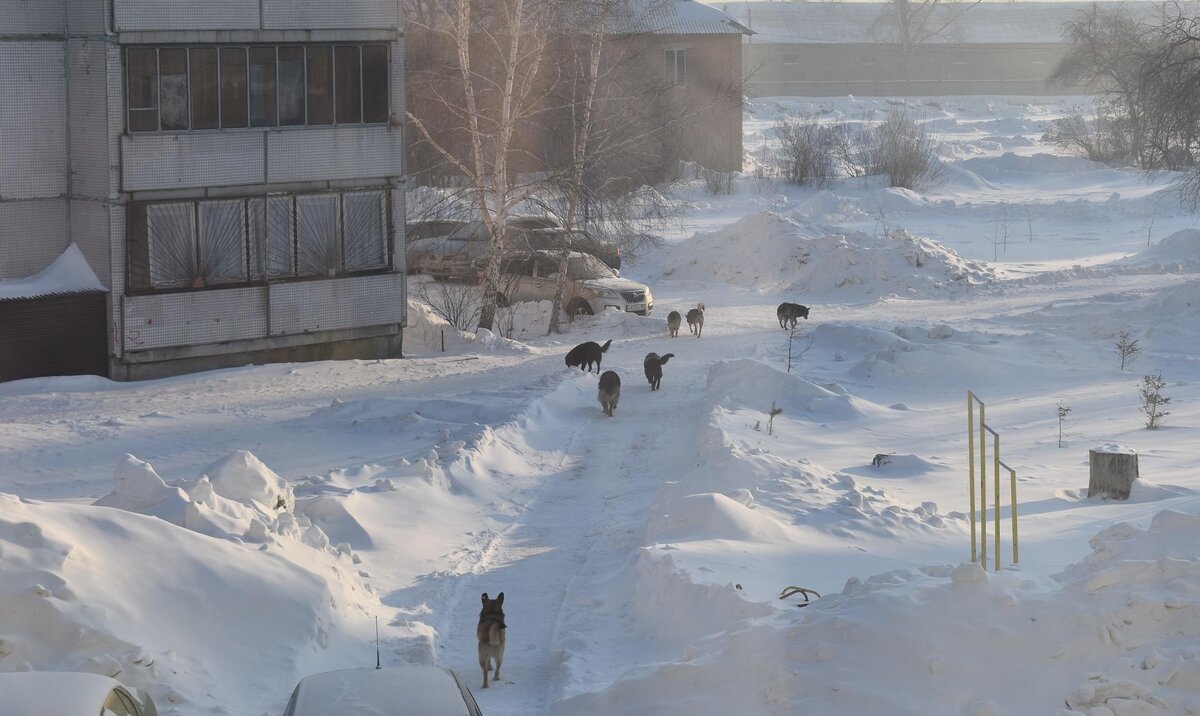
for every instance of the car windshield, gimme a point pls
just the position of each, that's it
(588, 267)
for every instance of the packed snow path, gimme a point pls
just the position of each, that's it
(567, 563)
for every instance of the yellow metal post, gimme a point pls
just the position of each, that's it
(971, 464)
(996, 502)
(1013, 481)
(982, 488)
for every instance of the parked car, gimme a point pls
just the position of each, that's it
(64, 693)
(591, 285)
(410, 690)
(458, 250)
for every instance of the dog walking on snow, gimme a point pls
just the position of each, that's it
(585, 355)
(695, 319)
(490, 633)
(673, 321)
(610, 392)
(653, 366)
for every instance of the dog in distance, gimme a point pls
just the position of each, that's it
(653, 365)
(673, 321)
(490, 633)
(695, 319)
(610, 391)
(787, 313)
(585, 355)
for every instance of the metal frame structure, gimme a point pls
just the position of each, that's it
(979, 544)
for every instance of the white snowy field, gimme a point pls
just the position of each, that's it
(269, 514)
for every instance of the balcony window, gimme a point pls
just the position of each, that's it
(176, 88)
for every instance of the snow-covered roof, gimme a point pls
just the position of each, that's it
(427, 690)
(872, 22)
(53, 692)
(686, 17)
(69, 273)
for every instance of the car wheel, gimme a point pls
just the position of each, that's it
(580, 307)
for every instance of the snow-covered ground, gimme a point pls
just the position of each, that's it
(254, 522)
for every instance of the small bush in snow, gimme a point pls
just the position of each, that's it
(458, 303)
(1127, 348)
(717, 183)
(1153, 401)
(808, 151)
(1105, 139)
(900, 149)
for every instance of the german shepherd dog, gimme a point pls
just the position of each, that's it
(695, 319)
(653, 365)
(610, 391)
(787, 313)
(673, 321)
(585, 355)
(490, 633)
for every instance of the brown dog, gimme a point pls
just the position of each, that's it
(490, 633)
(610, 391)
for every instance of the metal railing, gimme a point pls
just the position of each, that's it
(979, 535)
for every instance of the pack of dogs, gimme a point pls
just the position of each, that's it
(490, 631)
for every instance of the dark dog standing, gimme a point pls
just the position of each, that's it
(585, 355)
(490, 634)
(673, 321)
(787, 313)
(653, 365)
(610, 392)
(695, 319)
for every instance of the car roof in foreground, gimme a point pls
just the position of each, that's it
(412, 689)
(53, 693)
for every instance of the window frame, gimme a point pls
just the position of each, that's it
(139, 274)
(677, 58)
(368, 109)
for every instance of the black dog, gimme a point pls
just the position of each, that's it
(787, 313)
(653, 365)
(585, 355)
(610, 391)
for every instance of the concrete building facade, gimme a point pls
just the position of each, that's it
(232, 170)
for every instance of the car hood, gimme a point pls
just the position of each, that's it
(615, 284)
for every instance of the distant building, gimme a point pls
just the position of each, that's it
(688, 52)
(232, 170)
(814, 49)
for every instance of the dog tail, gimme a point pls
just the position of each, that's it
(604, 348)
(664, 358)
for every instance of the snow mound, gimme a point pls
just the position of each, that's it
(204, 625)
(1017, 167)
(750, 383)
(770, 253)
(424, 330)
(1112, 634)
(1178, 252)
(244, 478)
(69, 273)
(715, 516)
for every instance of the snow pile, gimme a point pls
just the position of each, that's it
(769, 253)
(204, 625)
(749, 383)
(236, 498)
(1113, 634)
(69, 273)
(1178, 252)
(424, 330)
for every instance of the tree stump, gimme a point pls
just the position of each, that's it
(1113, 470)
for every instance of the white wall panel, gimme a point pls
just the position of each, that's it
(333, 154)
(86, 17)
(32, 234)
(90, 160)
(197, 318)
(322, 14)
(32, 17)
(353, 302)
(187, 14)
(33, 156)
(89, 229)
(176, 161)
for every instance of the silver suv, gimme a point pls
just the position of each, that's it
(591, 285)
